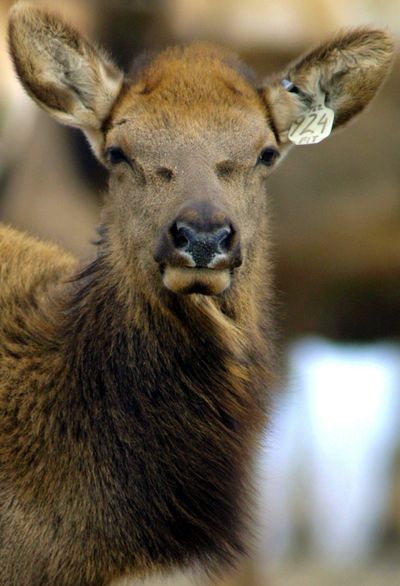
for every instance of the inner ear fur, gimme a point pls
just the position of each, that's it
(67, 76)
(349, 70)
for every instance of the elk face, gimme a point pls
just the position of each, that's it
(184, 147)
(189, 140)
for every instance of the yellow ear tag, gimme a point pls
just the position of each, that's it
(315, 125)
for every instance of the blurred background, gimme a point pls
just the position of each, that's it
(329, 473)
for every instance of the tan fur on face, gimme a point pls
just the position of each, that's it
(185, 280)
(200, 75)
(188, 91)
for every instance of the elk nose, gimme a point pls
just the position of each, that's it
(204, 248)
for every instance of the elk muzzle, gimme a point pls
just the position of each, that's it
(198, 251)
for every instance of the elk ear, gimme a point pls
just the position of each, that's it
(345, 73)
(69, 78)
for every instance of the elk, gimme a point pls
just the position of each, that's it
(134, 390)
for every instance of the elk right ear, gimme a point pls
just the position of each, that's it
(73, 81)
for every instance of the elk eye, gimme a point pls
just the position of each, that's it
(116, 155)
(268, 156)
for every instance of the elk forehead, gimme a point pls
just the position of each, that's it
(196, 91)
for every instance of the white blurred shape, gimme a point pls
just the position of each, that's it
(332, 447)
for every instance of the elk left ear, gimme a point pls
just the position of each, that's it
(344, 73)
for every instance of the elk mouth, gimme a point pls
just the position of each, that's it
(189, 280)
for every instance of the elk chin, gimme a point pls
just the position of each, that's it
(185, 281)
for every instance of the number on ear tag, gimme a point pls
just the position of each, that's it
(315, 125)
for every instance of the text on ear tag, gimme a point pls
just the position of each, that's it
(313, 126)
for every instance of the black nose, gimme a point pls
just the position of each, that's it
(204, 248)
(202, 235)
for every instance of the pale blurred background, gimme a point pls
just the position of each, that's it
(329, 476)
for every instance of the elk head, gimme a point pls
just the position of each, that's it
(189, 139)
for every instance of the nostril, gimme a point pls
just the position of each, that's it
(180, 240)
(181, 235)
(224, 238)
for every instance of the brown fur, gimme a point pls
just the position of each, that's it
(131, 413)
